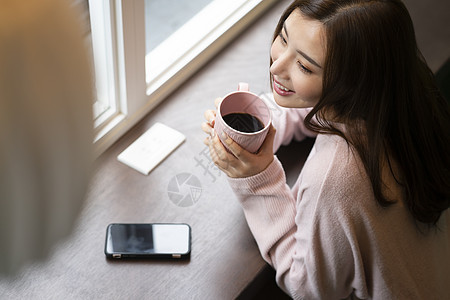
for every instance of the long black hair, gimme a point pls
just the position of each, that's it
(377, 82)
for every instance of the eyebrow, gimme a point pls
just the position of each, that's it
(301, 52)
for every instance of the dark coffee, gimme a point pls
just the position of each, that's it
(243, 122)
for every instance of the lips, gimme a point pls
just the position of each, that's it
(281, 89)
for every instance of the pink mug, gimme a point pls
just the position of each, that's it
(244, 117)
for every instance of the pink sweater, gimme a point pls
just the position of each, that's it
(328, 238)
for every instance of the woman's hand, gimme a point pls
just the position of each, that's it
(210, 116)
(239, 163)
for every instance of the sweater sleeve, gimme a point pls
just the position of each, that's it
(269, 207)
(298, 232)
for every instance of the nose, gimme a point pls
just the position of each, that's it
(280, 64)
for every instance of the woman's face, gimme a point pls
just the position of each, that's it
(298, 54)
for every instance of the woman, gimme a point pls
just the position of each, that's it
(368, 216)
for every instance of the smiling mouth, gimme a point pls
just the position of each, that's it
(281, 89)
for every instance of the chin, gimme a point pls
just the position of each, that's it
(280, 101)
(293, 102)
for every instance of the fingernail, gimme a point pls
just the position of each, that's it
(226, 138)
(212, 132)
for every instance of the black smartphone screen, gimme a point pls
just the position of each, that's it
(164, 240)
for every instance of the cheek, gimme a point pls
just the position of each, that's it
(308, 88)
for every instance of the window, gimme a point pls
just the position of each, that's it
(135, 70)
(164, 17)
(102, 39)
(103, 104)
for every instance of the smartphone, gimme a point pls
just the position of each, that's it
(150, 240)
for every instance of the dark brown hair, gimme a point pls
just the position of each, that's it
(377, 83)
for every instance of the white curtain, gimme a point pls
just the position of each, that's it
(45, 127)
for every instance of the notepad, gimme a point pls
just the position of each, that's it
(151, 148)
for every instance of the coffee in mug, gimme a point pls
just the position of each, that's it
(243, 122)
(244, 117)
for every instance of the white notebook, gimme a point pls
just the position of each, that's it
(151, 148)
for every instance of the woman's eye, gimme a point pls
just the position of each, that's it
(303, 68)
(283, 40)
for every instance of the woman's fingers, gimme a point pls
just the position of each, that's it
(241, 163)
(207, 128)
(221, 153)
(234, 147)
(220, 156)
(217, 102)
(210, 116)
(267, 146)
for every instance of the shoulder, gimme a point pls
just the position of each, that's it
(334, 176)
(333, 159)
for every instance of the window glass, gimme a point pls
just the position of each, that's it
(164, 17)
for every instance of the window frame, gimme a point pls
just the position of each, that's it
(125, 79)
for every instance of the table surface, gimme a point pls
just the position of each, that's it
(224, 259)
